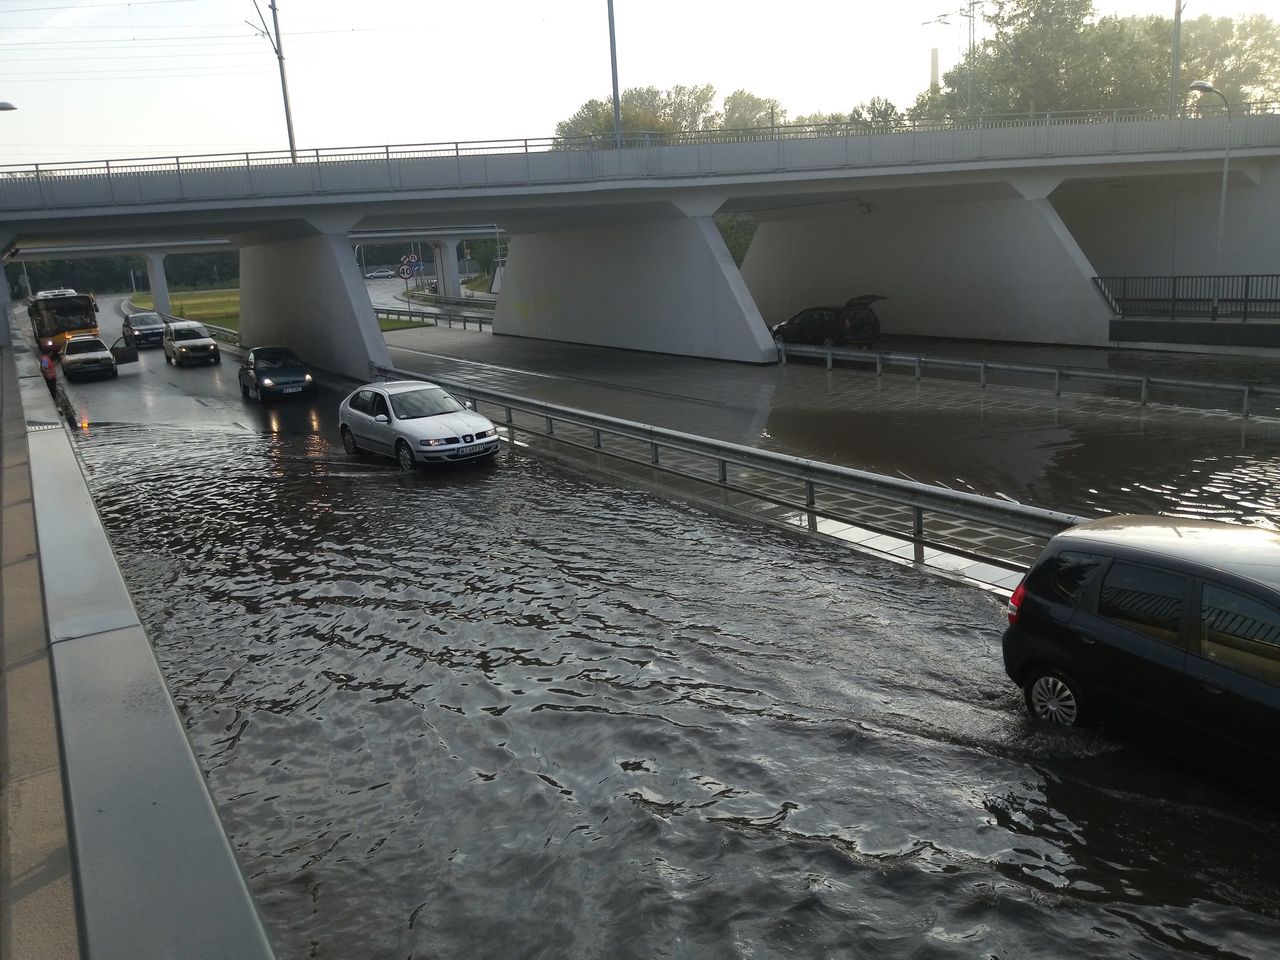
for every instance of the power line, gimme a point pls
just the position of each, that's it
(92, 6)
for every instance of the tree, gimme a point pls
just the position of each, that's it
(644, 110)
(746, 111)
(877, 113)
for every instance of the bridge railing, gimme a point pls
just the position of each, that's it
(915, 520)
(1233, 296)
(548, 160)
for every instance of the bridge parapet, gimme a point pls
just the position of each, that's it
(532, 162)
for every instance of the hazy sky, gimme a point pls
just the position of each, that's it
(101, 79)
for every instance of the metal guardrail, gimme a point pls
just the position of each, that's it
(1242, 296)
(431, 319)
(919, 363)
(999, 532)
(550, 160)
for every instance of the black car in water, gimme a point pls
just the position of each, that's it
(854, 324)
(267, 372)
(1164, 628)
(147, 329)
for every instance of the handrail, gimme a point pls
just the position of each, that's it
(1211, 296)
(917, 500)
(430, 319)
(919, 362)
(632, 140)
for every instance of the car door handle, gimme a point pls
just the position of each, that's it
(1086, 637)
(1210, 688)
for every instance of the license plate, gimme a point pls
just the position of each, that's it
(291, 390)
(474, 448)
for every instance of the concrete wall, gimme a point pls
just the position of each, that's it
(307, 293)
(1169, 225)
(668, 286)
(1003, 269)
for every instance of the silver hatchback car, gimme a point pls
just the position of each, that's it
(415, 422)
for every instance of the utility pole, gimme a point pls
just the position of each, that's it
(1175, 84)
(278, 47)
(617, 102)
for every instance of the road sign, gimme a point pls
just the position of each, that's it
(406, 272)
(413, 258)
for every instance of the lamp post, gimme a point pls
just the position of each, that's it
(617, 102)
(1204, 86)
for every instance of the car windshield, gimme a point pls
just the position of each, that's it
(145, 319)
(428, 402)
(190, 333)
(84, 346)
(276, 357)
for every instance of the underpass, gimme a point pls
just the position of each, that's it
(444, 710)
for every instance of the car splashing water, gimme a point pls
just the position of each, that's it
(508, 711)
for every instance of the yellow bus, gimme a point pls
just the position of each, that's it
(57, 315)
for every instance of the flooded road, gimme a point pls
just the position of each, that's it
(511, 711)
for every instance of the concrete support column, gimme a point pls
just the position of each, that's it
(304, 290)
(159, 285)
(450, 284)
(666, 286)
(6, 314)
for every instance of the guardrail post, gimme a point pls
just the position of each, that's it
(982, 375)
(1143, 399)
(917, 532)
(596, 436)
(1244, 411)
(551, 426)
(917, 368)
(782, 353)
(653, 451)
(828, 358)
(723, 471)
(879, 365)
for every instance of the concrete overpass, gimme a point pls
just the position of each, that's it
(985, 230)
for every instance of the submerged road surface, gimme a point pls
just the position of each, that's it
(510, 711)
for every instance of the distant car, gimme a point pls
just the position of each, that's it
(853, 324)
(1165, 628)
(186, 341)
(415, 422)
(267, 372)
(147, 329)
(87, 357)
(383, 273)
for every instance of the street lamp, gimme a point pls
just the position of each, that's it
(1204, 86)
(617, 102)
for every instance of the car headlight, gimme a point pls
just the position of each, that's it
(307, 377)
(182, 349)
(268, 382)
(432, 443)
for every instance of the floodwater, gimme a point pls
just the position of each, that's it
(508, 711)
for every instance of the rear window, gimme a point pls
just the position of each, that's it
(1065, 576)
(190, 333)
(1240, 631)
(1144, 599)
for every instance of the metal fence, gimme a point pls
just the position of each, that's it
(915, 521)
(1236, 296)
(919, 365)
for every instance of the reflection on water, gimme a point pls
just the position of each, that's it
(503, 711)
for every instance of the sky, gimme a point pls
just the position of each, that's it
(108, 79)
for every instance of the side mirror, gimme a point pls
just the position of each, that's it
(382, 418)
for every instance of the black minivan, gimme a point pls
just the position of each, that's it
(1165, 628)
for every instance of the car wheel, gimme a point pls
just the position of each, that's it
(349, 441)
(1055, 697)
(404, 455)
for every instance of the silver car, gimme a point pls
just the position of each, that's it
(415, 422)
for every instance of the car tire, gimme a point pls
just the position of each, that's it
(404, 455)
(349, 441)
(1055, 697)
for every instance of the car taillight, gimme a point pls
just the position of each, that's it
(1015, 602)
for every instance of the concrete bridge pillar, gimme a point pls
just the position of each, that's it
(159, 284)
(300, 287)
(664, 286)
(446, 254)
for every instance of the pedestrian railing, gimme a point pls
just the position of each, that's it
(1056, 376)
(432, 319)
(1233, 296)
(820, 497)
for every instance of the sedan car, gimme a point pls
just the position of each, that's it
(383, 273)
(186, 341)
(87, 357)
(855, 323)
(267, 372)
(415, 422)
(147, 329)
